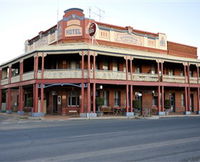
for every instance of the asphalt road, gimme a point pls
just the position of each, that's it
(170, 139)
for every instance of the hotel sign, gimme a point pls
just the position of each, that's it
(73, 28)
(92, 29)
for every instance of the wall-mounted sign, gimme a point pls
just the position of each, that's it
(92, 29)
(73, 28)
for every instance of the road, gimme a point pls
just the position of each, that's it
(169, 139)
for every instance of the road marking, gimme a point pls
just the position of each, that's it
(77, 156)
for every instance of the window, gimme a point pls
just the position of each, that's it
(73, 65)
(105, 66)
(138, 69)
(117, 98)
(171, 72)
(182, 100)
(106, 98)
(115, 66)
(191, 73)
(73, 99)
(181, 73)
(153, 71)
(155, 100)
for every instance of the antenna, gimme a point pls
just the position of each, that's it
(98, 13)
(90, 12)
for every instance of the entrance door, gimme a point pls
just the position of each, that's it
(172, 101)
(55, 104)
(138, 103)
(192, 102)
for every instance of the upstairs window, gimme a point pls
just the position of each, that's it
(171, 72)
(105, 65)
(138, 69)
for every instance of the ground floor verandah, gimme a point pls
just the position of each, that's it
(92, 99)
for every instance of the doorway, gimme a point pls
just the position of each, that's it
(192, 102)
(55, 104)
(172, 101)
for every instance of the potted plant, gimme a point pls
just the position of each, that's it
(99, 102)
(137, 106)
(167, 106)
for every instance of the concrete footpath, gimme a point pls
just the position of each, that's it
(15, 117)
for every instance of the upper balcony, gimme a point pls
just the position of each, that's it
(106, 67)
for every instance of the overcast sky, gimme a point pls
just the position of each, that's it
(23, 19)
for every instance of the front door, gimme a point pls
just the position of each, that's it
(55, 104)
(172, 101)
(192, 102)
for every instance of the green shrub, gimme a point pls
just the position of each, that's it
(167, 104)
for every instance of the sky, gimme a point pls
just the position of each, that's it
(23, 19)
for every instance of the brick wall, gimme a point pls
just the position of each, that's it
(181, 50)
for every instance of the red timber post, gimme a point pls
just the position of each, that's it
(21, 106)
(160, 88)
(35, 100)
(42, 67)
(0, 100)
(127, 91)
(128, 112)
(198, 103)
(82, 83)
(94, 97)
(188, 109)
(88, 88)
(94, 84)
(158, 69)
(10, 74)
(188, 90)
(163, 99)
(41, 98)
(131, 86)
(197, 73)
(131, 98)
(162, 71)
(127, 98)
(8, 107)
(0, 90)
(126, 58)
(94, 64)
(21, 70)
(186, 100)
(158, 100)
(35, 66)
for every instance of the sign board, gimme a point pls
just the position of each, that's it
(92, 29)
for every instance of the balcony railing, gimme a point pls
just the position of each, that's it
(99, 74)
(28, 76)
(15, 79)
(145, 77)
(113, 75)
(63, 73)
(173, 79)
(193, 80)
(4, 81)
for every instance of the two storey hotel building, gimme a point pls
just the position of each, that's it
(118, 70)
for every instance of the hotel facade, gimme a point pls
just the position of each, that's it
(117, 71)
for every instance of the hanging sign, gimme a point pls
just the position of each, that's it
(92, 29)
